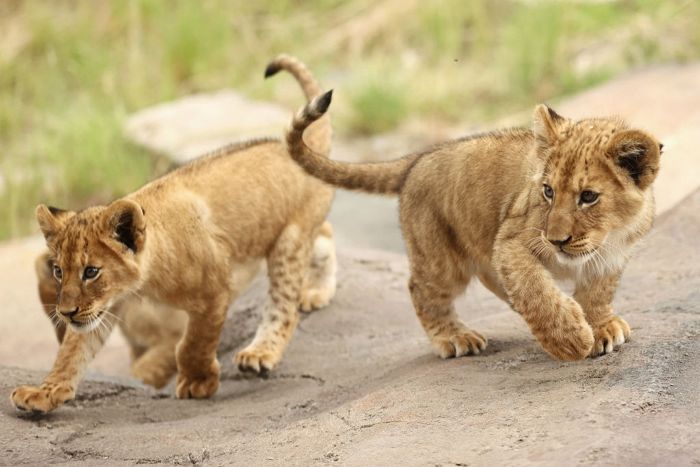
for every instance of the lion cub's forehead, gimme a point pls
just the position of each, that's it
(590, 134)
(580, 153)
(78, 237)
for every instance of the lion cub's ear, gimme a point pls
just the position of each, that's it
(545, 124)
(125, 221)
(638, 154)
(51, 220)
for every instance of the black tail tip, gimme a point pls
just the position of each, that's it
(324, 101)
(272, 69)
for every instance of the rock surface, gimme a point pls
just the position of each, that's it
(359, 385)
(191, 126)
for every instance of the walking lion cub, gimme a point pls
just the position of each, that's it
(518, 209)
(193, 240)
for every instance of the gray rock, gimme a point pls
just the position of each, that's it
(191, 126)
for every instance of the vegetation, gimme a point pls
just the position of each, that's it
(71, 71)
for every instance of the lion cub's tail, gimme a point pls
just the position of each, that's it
(380, 177)
(319, 135)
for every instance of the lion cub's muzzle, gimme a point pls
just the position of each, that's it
(69, 313)
(80, 321)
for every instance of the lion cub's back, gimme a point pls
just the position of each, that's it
(252, 191)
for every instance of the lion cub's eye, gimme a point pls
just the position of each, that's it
(548, 191)
(57, 273)
(588, 197)
(90, 272)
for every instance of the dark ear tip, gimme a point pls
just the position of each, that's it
(661, 148)
(552, 113)
(272, 69)
(55, 211)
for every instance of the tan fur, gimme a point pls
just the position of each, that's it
(477, 207)
(192, 240)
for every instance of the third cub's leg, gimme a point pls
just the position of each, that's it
(286, 266)
(319, 282)
(595, 297)
(438, 275)
(156, 366)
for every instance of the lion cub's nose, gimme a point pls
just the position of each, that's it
(560, 243)
(69, 313)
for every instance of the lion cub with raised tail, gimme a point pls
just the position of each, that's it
(518, 209)
(193, 240)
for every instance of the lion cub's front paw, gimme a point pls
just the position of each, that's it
(569, 337)
(609, 335)
(199, 384)
(258, 359)
(42, 399)
(457, 340)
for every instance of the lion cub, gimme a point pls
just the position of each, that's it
(153, 329)
(518, 209)
(193, 240)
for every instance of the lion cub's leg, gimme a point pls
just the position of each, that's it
(286, 266)
(319, 282)
(74, 354)
(198, 367)
(438, 275)
(595, 297)
(435, 309)
(156, 366)
(556, 320)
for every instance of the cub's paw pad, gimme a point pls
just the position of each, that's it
(256, 360)
(42, 399)
(569, 345)
(198, 386)
(569, 337)
(610, 335)
(314, 299)
(459, 343)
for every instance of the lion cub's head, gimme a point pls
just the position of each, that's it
(93, 254)
(597, 182)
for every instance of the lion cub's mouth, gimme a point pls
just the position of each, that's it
(578, 258)
(88, 325)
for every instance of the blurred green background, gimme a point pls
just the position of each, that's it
(72, 71)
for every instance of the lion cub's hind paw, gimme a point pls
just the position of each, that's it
(459, 343)
(256, 360)
(609, 336)
(42, 399)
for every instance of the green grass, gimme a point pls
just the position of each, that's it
(382, 100)
(71, 71)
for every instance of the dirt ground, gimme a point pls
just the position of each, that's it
(359, 384)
